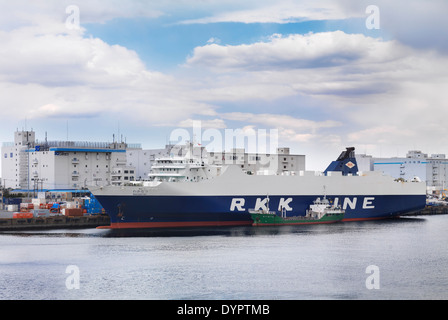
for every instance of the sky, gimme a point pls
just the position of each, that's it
(323, 75)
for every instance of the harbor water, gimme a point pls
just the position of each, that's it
(404, 258)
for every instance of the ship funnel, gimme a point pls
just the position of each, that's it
(346, 163)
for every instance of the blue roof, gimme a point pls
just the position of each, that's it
(86, 150)
(51, 190)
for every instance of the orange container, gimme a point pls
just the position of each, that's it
(73, 212)
(22, 215)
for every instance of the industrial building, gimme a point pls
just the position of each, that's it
(32, 165)
(259, 163)
(29, 164)
(433, 169)
(282, 161)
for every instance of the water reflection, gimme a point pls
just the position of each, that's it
(58, 233)
(242, 231)
(235, 231)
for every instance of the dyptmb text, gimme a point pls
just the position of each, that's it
(226, 309)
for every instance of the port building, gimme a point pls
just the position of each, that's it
(253, 163)
(259, 163)
(33, 165)
(433, 169)
(30, 164)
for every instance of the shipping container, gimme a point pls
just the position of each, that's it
(72, 212)
(12, 207)
(71, 205)
(40, 212)
(22, 215)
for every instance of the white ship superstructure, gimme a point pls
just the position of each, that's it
(178, 169)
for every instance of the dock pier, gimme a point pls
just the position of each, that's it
(53, 222)
(429, 210)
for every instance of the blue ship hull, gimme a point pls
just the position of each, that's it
(195, 211)
(226, 200)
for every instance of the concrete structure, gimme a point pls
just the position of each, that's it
(32, 165)
(433, 169)
(54, 165)
(277, 163)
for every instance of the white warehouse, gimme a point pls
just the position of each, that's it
(32, 165)
(433, 169)
(29, 164)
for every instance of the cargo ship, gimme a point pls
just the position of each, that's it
(321, 211)
(190, 193)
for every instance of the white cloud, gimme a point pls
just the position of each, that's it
(213, 124)
(281, 121)
(20, 13)
(296, 51)
(65, 74)
(381, 91)
(63, 59)
(283, 11)
(214, 40)
(413, 22)
(361, 90)
(379, 135)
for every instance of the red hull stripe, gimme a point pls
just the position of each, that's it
(142, 225)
